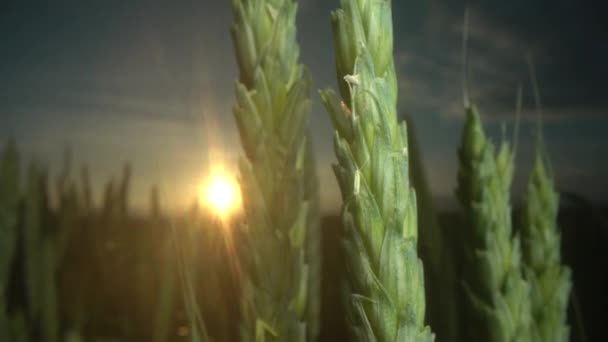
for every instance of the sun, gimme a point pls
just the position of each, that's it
(221, 193)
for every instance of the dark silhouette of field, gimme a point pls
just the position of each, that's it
(117, 268)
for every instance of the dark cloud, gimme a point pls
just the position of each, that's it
(566, 39)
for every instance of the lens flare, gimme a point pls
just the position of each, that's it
(221, 193)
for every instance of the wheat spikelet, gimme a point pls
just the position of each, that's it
(496, 307)
(550, 281)
(281, 298)
(385, 289)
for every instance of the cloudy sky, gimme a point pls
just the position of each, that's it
(152, 82)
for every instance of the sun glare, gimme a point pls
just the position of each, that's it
(222, 194)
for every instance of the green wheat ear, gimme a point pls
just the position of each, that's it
(281, 297)
(384, 292)
(496, 307)
(550, 281)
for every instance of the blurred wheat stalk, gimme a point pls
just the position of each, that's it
(550, 281)
(32, 232)
(281, 298)
(11, 326)
(495, 304)
(497, 297)
(384, 293)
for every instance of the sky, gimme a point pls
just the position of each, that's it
(152, 82)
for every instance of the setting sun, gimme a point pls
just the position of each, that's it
(221, 193)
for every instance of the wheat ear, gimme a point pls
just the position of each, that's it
(281, 297)
(384, 292)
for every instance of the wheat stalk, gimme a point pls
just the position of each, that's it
(497, 297)
(550, 281)
(385, 289)
(281, 296)
(9, 203)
